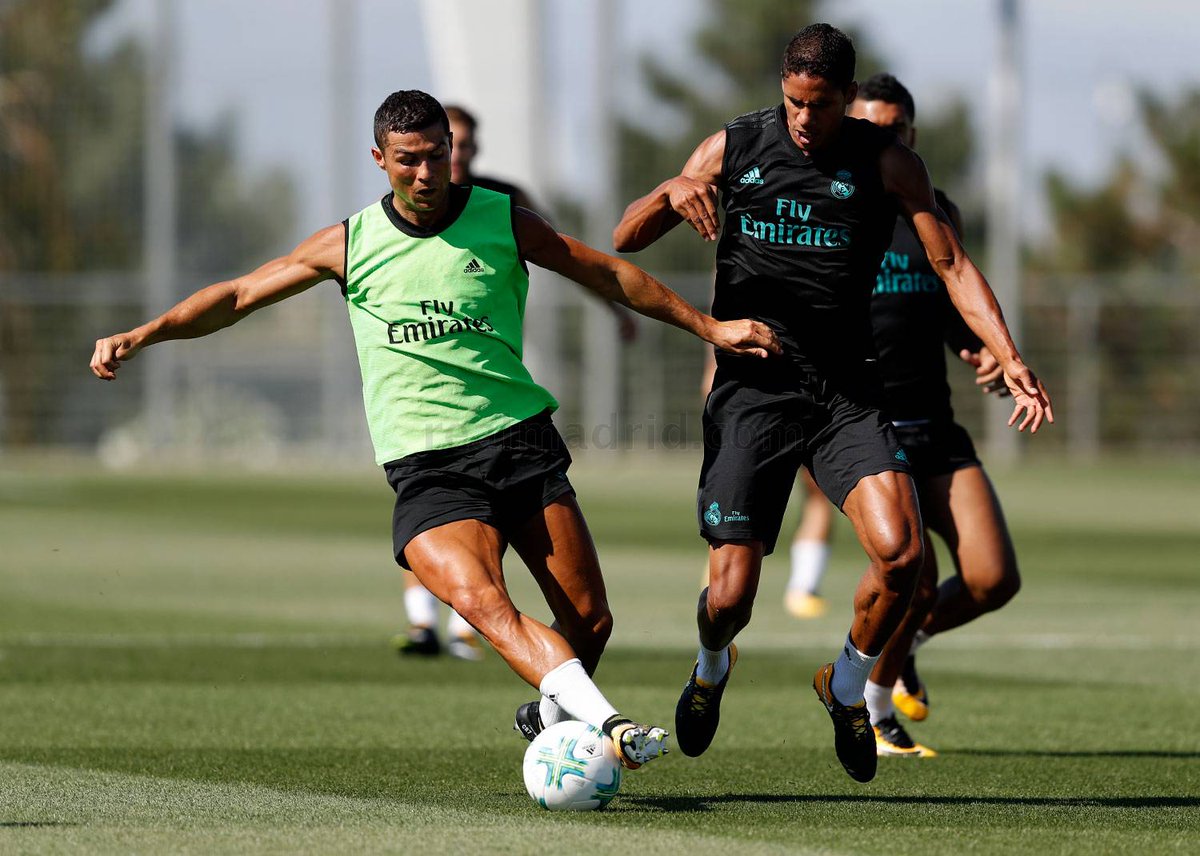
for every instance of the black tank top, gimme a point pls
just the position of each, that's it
(802, 238)
(912, 320)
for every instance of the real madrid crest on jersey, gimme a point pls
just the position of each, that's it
(843, 185)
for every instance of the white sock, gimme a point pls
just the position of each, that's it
(568, 686)
(850, 673)
(711, 666)
(421, 607)
(919, 639)
(879, 701)
(809, 559)
(551, 713)
(458, 628)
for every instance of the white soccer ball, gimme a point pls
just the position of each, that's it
(572, 766)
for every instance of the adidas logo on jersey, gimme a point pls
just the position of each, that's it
(474, 268)
(752, 177)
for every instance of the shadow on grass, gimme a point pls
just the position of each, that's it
(432, 777)
(706, 803)
(1066, 753)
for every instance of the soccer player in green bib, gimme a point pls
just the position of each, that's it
(434, 276)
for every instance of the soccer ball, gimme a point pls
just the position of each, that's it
(572, 766)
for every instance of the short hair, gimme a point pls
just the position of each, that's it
(821, 50)
(885, 87)
(408, 110)
(462, 114)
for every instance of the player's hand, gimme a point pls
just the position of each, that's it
(1031, 402)
(110, 353)
(989, 374)
(696, 203)
(751, 338)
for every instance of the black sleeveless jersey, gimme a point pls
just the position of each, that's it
(803, 237)
(912, 320)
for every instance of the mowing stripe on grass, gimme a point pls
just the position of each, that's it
(787, 641)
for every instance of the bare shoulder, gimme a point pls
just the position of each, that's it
(706, 160)
(534, 235)
(324, 250)
(905, 176)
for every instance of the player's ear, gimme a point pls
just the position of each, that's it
(378, 155)
(851, 92)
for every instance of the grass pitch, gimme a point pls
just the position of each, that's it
(200, 663)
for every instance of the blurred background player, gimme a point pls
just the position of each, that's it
(913, 322)
(420, 606)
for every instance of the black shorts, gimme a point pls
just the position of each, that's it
(936, 447)
(501, 480)
(760, 427)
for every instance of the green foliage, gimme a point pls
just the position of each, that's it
(72, 190)
(71, 146)
(1138, 218)
(1096, 229)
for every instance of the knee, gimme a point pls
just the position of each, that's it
(597, 624)
(997, 588)
(899, 560)
(730, 604)
(484, 608)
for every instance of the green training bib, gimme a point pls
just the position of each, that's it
(437, 321)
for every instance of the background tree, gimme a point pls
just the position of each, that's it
(1130, 239)
(71, 191)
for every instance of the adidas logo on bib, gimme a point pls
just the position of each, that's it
(754, 176)
(474, 268)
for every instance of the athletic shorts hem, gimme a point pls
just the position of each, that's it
(868, 470)
(454, 515)
(768, 543)
(557, 492)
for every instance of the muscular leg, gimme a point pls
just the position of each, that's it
(895, 652)
(725, 605)
(883, 509)
(723, 609)
(460, 563)
(560, 554)
(969, 518)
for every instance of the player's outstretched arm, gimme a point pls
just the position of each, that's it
(620, 282)
(690, 196)
(906, 179)
(319, 257)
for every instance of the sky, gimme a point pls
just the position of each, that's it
(267, 63)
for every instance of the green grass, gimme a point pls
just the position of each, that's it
(199, 663)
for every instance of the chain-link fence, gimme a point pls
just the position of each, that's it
(1123, 366)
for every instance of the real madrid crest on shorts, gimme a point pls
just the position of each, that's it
(843, 185)
(713, 516)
